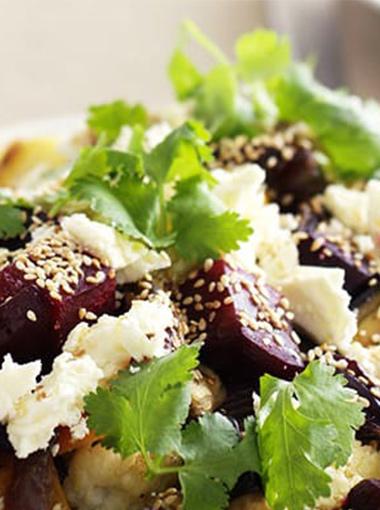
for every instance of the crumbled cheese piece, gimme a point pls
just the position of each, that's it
(156, 134)
(100, 479)
(152, 137)
(140, 333)
(373, 192)
(132, 258)
(58, 400)
(16, 381)
(320, 304)
(270, 245)
(123, 140)
(363, 463)
(364, 243)
(348, 205)
(241, 189)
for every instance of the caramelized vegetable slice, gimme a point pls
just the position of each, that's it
(243, 321)
(35, 485)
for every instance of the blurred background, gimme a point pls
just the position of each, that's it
(58, 56)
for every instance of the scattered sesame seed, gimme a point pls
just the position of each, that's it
(31, 315)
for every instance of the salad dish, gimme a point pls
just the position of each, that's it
(190, 301)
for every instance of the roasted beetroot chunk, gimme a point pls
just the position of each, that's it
(243, 322)
(35, 484)
(318, 246)
(45, 292)
(293, 174)
(359, 381)
(364, 496)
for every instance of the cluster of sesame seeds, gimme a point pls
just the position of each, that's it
(271, 315)
(329, 234)
(57, 264)
(283, 145)
(327, 354)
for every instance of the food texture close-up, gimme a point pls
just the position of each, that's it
(190, 296)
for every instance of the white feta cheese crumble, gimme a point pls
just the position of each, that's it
(58, 400)
(270, 246)
(364, 463)
(152, 137)
(241, 189)
(156, 134)
(321, 305)
(367, 357)
(132, 258)
(350, 206)
(16, 381)
(113, 341)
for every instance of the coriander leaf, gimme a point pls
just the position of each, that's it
(204, 229)
(180, 155)
(231, 99)
(213, 460)
(337, 405)
(262, 54)
(109, 118)
(100, 162)
(299, 437)
(100, 198)
(12, 221)
(219, 104)
(145, 409)
(184, 75)
(347, 128)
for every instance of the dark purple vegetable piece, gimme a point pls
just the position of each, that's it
(244, 322)
(248, 483)
(319, 249)
(364, 496)
(294, 180)
(293, 174)
(34, 324)
(359, 381)
(238, 404)
(35, 484)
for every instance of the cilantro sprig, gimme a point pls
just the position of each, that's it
(107, 119)
(347, 128)
(232, 97)
(301, 427)
(163, 197)
(12, 221)
(145, 413)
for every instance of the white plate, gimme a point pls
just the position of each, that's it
(59, 127)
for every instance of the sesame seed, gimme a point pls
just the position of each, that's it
(208, 265)
(202, 325)
(199, 283)
(228, 300)
(188, 300)
(375, 391)
(90, 316)
(31, 315)
(82, 313)
(372, 282)
(317, 244)
(198, 307)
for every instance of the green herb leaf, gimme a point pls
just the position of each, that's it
(109, 118)
(347, 128)
(143, 412)
(204, 229)
(184, 75)
(231, 98)
(180, 155)
(262, 54)
(303, 427)
(12, 221)
(213, 460)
